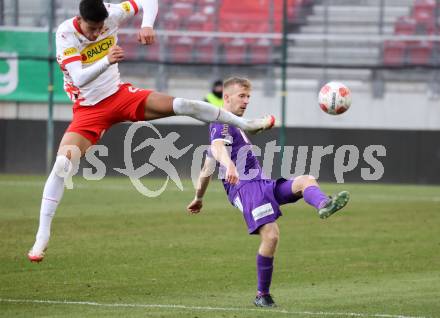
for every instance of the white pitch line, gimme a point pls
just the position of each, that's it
(201, 308)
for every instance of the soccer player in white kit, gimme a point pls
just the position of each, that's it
(88, 55)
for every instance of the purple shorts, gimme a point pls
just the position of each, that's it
(260, 201)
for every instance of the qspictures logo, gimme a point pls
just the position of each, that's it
(164, 151)
(97, 51)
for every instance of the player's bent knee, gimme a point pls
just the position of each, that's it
(306, 177)
(63, 166)
(300, 182)
(305, 181)
(182, 106)
(271, 242)
(301, 179)
(271, 237)
(310, 180)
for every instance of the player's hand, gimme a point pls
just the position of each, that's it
(195, 206)
(146, 35)
(232, 174)
(115, 54)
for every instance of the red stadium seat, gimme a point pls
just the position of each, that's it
(260, 52)
(247, 18)
(237, 23)
(181, 50)
(183, 10)
(165, 4)
(424, 6)
(405, 26)
(254, 16)
(292, 8)
(129, 44)
(204, 50)
(208, 9)
(425, 22)
(199, 22)
(171, 21)
(420, 53)
(133, 50)
(149, 52)
(394, 52)
(235, 51)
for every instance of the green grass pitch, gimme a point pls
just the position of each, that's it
(116, 253)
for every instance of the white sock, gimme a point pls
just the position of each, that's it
(52, 194)
(208, 113)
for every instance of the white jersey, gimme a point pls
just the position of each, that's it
(73, 46)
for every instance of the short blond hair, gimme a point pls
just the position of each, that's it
(243, 82)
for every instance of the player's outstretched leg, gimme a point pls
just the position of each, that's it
(52, 194)
(72, 147)
(208, 113)
(308, 187)
(336, 203)
(158, 105)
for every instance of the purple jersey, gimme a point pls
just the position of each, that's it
(248, 167)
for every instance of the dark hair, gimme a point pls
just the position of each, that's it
(93, 10)
(217, 83)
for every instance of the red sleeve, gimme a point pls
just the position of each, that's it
(135, 6)
(70, 60)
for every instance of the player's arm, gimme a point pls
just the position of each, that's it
(146, 34)
(202, 185)
(82, 76)
(221, 154)
(129, 8)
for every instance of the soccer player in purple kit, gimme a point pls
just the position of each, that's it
(257, 197)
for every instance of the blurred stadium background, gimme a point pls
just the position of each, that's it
(113, 246)
(386, 51)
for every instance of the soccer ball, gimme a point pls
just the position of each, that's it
(334, 98)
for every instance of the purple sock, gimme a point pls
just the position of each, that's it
(264, 273)
(315, 197)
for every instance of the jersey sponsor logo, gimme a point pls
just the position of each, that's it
(97, 51)
(262, 211)
(126, 6)
(132, 89)
(70, 51)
